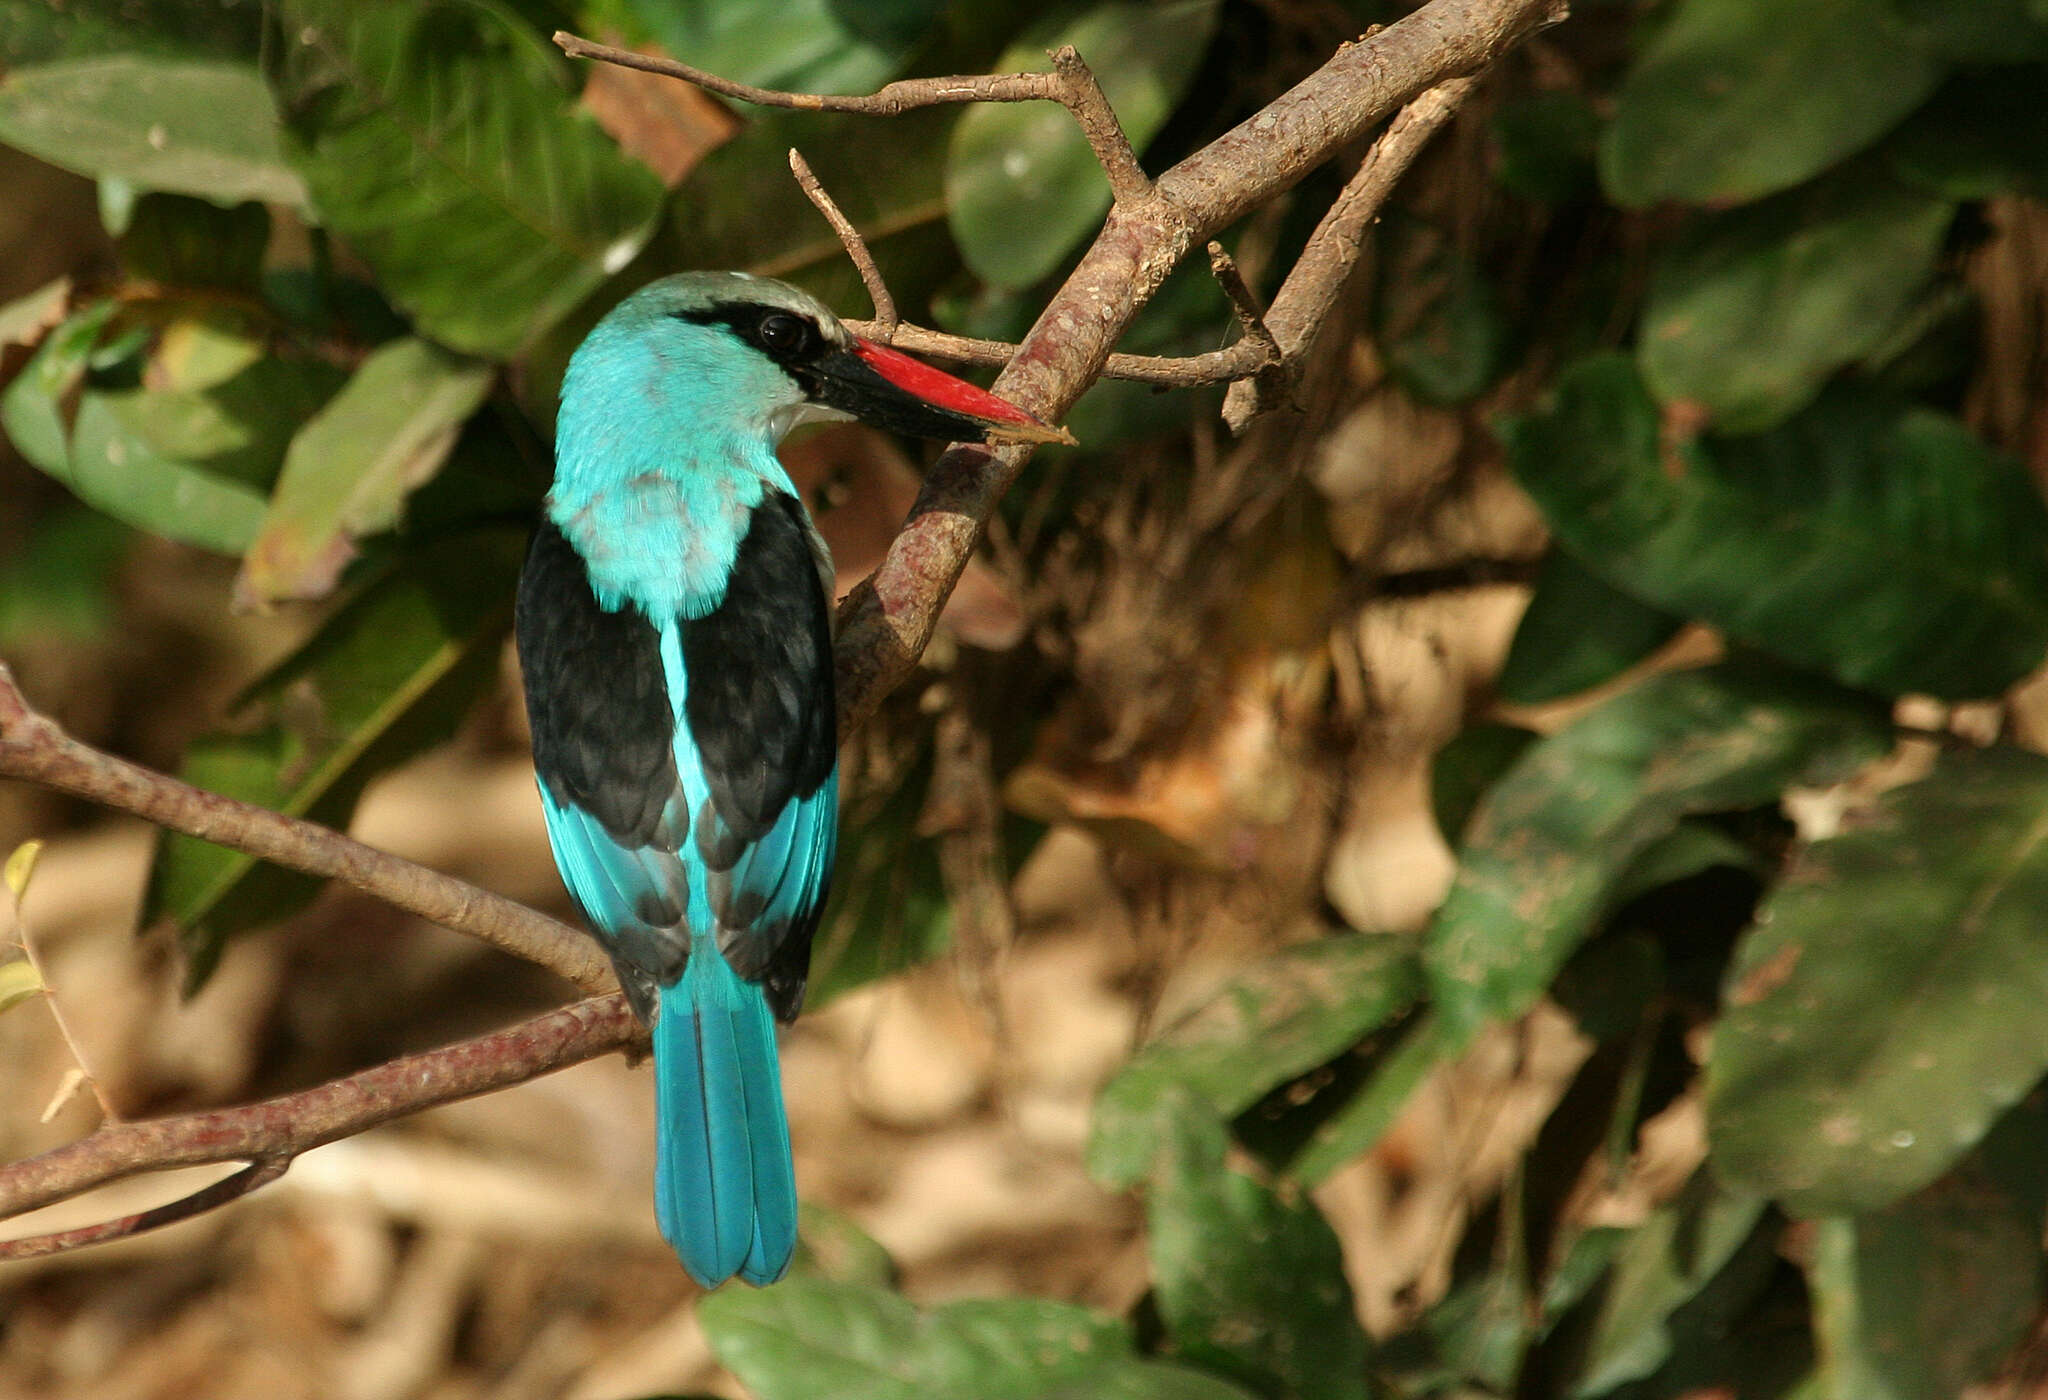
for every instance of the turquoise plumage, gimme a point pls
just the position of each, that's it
(675, 640)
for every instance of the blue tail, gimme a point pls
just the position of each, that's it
(724, 1186)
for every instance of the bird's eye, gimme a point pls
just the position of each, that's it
(782, 334)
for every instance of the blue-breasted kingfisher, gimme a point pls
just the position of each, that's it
(674, 626)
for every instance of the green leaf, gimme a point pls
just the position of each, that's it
(181, 241)
(37, 408)
(191, 126)
(888, 909)
(18, 983)
(385, 678)
(1546, 143)
(1423, 1044)
(1924, 1301)
(1579, 632)
(1658, 1267)
(37, 31)
(1279, 1018)
(1751, 311)
(438, 140)
(830, 1245)
(1886, 1007)
(1984, 134)
(808, 1337)
(349, 470)
(1885, 545)
(1981, 31)
(794, 45)
(1438, 319)
(1249, 1284)
(1023, 186)
(1466, 767)
(1736, 99)
(1553, 839)
(59, 586)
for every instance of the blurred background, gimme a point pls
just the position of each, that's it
(1514, 877)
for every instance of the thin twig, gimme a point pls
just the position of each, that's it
(1224, 268)
(1319, 274)
(277, 1130)
(886, 320)
(34, 748)
(258, 1173)
(1070, 84)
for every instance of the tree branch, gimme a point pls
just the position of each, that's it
(34, 748)
(269, 1134)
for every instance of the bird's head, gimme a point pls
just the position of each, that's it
(760, 356)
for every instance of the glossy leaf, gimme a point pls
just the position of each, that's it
(1886, 1008)
(795, 45)
(1579, 632)
(1736, 99)
(1925, 1300)
(1887, 546)
(809, 1337)
(192, 126)
(385, 678)
(1752, 310)
(1554, 838)
(1277, 1019)
(438, 140)
(1250, 1284)
(350, 468)
(1022, 184)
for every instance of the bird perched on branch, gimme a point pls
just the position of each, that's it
(675, 637)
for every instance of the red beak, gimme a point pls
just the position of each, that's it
(889, 389)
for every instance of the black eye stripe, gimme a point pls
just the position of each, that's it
(790, 338)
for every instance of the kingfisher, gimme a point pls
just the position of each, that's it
(674, 626)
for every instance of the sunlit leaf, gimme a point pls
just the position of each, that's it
(808, 1337)
(1023, 185)
(1553, 839)
(1883, 544)
(1736, 99)
(349, 470)
(20, 868)
(385, 678)
(1886, 1007)
(192, 126)
(440, 142)
(18, 983)
(1277, 1019)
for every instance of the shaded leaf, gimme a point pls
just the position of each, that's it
(38, 31)
(809, 1337)
(60, 585)
(1886, 545)
(1658, 1267)
(1981, 31)
(349, 470)
(1022, 184)
(1277, 1019)
(1546, 143)
(1579, 632)
(1984, 134)
(1736, 99)
(1886, 1007)
(385, 678)
(1350, 1132)
(1924, 1300)
(1466, 767)
(1751, 311)
(1250, 1284)
(182, 241)
(439, 141)
(1553, 839)
(1438, 320)
(192, 126)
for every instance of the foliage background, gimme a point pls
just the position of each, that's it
(1516, 878)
